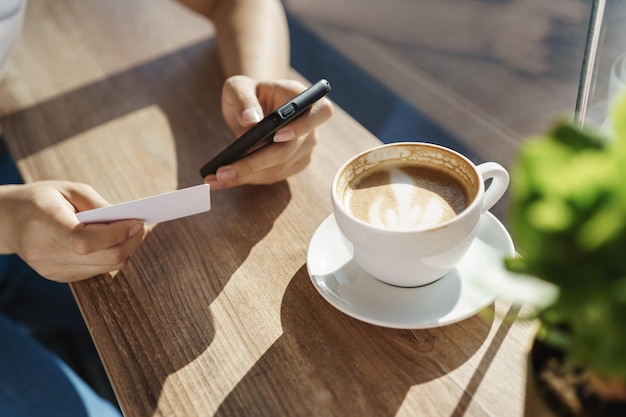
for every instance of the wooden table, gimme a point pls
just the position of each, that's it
(215, 314)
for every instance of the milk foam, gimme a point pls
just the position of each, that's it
(405, 198)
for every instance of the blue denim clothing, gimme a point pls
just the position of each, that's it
(33, 380)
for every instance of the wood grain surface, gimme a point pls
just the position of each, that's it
(215, 313)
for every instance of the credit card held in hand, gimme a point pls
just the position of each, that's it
(155, 209)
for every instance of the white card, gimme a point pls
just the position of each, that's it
(155, 209)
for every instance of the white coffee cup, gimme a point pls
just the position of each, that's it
(413, 232)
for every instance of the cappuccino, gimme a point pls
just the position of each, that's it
(408, 211)
(405, 196)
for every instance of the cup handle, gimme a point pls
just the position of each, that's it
(499, 183)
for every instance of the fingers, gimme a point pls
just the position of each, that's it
(82, 196)
(74, 268)
(319, 113)
(246, 101)
(112, 257)
(98, 249)
(293, 143)
(80, 238)
(49, 237)
(89, 238)
(240, 105)
(261, 167)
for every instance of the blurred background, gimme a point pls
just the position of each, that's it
(476, 75)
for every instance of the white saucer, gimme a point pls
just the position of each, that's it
(458, 295)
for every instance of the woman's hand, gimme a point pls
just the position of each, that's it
(245, 101)
(38, 222)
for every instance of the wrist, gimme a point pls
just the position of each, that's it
(7, 210)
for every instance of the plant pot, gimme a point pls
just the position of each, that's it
(550, 392)
(535, 403)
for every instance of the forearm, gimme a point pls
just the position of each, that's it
(252, 36)
(6, 219)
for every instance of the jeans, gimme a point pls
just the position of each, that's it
(34, 381)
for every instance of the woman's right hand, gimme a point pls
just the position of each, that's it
(38, 222)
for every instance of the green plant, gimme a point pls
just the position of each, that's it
(568, 220)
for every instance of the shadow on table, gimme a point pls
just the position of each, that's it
(349, 367)
(169, 323)
(148, 324)
(377, 366)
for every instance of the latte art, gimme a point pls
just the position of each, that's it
(408, 212)
(405, 197)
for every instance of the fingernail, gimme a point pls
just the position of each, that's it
(135, 228)
(213, 182)
(251, 115)
(284, 135)
(225, 174)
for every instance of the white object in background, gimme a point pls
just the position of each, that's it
(156, 209)
(617, 79)
(11, 18)
(617, 88)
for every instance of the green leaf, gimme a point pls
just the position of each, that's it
(618, 117)
(576, 139)
(549, 215)
(606, 223)
(568, 222)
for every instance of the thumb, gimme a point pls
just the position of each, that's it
(82, 196)
(250, 116)
(240, 102)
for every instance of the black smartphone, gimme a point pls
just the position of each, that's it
(262, 133)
